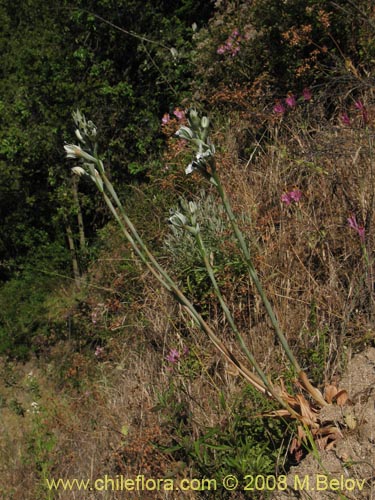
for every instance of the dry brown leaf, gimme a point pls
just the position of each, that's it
(330, 392)
(342, 397)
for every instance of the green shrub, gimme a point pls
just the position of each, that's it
(185, 259)
(284, 45)
(23, 309)
(244, 444)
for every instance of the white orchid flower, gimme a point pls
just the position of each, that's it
(79, 135)
(178, 220)
(79, 171)
(73, 151)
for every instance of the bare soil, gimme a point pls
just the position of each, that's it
(348, 470)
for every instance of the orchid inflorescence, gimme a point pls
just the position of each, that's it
(86, 133)
(186, 220)
(293, 196)
(197, 134)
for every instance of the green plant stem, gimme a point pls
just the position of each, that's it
(230, 319)
(254, 277)
(263, 385)
(162, 276)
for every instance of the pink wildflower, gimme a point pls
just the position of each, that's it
(279, 108)
(307, 94)
(295, 195)
(291, 101)
(173, 356)
(179, 113)
(235, 51)
(345, 119)
(360, 230)
(285, 198)
(165, 118)
(361, 107)
(99, 352)
(232, 44)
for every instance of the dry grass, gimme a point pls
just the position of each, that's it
(309, 259)
(103, 411)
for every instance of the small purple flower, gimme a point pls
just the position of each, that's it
(345, 119)
(173, 356)
(231, 45)
(179, 113)
(295, 195)
(279, 108)
(359, 105)
(307, 94)
(235, 51)
(99, 352)
(360, 230)
(285, 198)
(166, 118)
(291, 101)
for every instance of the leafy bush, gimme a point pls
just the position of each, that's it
(23, 298)
(284, 45)
(244, 443)
(184, 256)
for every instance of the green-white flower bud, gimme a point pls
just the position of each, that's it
(78, 117)
(194, 230)
(192, 207)
(185, 133)
(194, 118)
(98, 180)
(205, 122)
(92, 127)
(73, 151)
(79, 136)
(79, 171)
(178, 220)
(191, 167)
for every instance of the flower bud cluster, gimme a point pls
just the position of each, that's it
(86, 129)
(186, 220)
(197, 134)
(86, 154)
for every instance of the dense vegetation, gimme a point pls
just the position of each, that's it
(289, 90)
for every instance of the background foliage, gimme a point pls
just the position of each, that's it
(101, 342)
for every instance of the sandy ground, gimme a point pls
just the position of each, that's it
(348, 470)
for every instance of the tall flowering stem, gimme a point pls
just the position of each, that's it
(205, 164)
(205, 257)
(92, 166)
